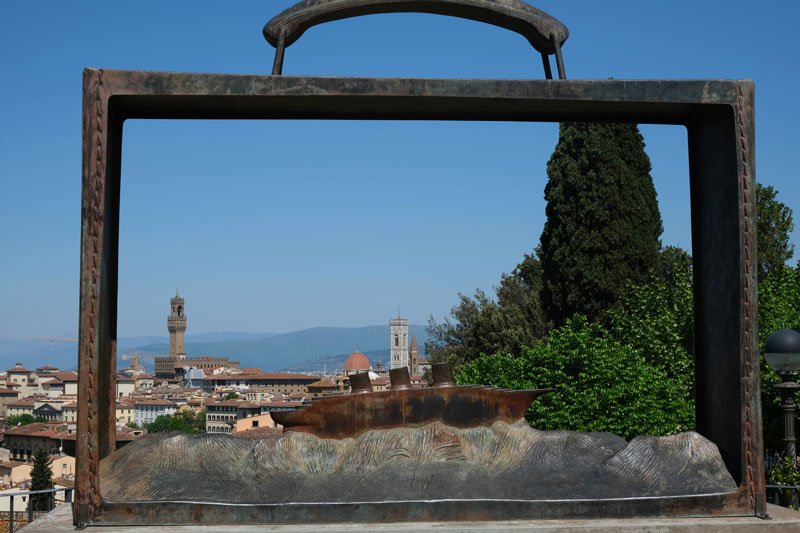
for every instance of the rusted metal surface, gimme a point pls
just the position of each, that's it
(719, 118)
(359, 383)
(400, 378)
(461, 407)
(442, 375)
(545, 33)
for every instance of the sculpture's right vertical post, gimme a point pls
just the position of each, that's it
(727, 377)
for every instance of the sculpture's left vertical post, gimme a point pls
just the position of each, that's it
(97, 335)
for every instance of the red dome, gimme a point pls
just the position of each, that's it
(357, 361)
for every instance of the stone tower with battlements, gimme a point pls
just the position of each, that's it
(176, 324)
(398, 342)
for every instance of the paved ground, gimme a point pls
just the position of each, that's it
(782, 520)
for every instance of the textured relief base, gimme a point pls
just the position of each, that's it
(504, 461)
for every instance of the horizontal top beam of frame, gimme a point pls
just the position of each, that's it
(144, 94)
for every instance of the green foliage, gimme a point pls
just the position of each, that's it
(603, 224)
(41, 479)
(482, 325)
(787, 472)
(601, 385)
(656, 320)
(779, 308)
(231, 396)
(23, 420)
(185, 421)
(774, 226)
(133, 425)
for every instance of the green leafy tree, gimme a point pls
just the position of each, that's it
(133, 425)
(774, 226)
(23, 420)
(603, 223)
(231, 396)
(779, 308)
(656, 319)
(786, 472)
(185, 421)
(481, 324)
(41, 479)
(601, 385)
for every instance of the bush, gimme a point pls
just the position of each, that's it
(601, 385)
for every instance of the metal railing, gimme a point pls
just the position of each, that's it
(784, 495)
(51, 501)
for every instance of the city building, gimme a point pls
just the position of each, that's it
(125, 386)
(398, 343)
(176, 325)
(355, 363)
(221, 416)
(146, 411)
(178, 366)
(273, 383)
(7, 396)
(256, 421)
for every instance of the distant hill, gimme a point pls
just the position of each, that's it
(37, 352)
(334, 362)
(286, 350)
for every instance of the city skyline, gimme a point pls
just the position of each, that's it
(278, 226)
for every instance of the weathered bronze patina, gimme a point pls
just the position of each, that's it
(545, 33)
(719, 119)
(404, 407)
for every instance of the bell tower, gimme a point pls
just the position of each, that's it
(176, 324)
(413, 355)
(398, 342)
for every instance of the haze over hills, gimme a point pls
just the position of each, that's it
(305, 350)
(287, 350)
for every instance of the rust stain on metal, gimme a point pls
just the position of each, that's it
(719, 116)
(461, 407)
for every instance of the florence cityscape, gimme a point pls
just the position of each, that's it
(515, 267)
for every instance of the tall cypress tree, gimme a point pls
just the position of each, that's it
(603, 224)
(41, 479)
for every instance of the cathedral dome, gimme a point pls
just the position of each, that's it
(357, 362)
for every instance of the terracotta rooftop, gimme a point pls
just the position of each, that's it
(257, 433)
(18, 370)
(47, 367)
(22, 402)
(357, 361)
(8, 391)
(154, 402)
(11, 464)
(324, 382)
(259, 376)
(123, 433)
(66, 376)
(36, 429)
(233, 403)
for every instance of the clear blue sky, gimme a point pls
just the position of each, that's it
(278, 226)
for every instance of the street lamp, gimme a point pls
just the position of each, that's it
(782, 351)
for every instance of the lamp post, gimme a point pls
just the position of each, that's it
(782, 351)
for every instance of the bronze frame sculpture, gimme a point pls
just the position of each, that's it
(719, 118)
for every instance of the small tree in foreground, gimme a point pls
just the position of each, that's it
(41, 479)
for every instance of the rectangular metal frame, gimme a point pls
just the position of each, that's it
(718, 115)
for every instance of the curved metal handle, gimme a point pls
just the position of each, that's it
(545, 33)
